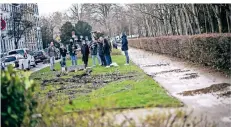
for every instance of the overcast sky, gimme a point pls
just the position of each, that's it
(48, 8)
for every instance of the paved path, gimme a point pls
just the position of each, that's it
(40, 66)
(170, 73)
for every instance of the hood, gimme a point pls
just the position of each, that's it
(124, 36)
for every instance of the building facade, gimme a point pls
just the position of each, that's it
(16, 16)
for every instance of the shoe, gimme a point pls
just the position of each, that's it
(107, 66)
(126, 64)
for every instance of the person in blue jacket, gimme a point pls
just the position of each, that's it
(124, 47)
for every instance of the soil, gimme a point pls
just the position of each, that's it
(211, 89)
(81, 84)
(190, 76)
(156, 65)
(174, 70)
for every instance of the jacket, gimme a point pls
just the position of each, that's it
(124, 46)
(72, 50)
(63, 52)
(51, 51)
(106, 49)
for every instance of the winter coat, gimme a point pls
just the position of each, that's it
(124, 43)
(72, 50)
(63, 52)
(106, 49)
(51, 51)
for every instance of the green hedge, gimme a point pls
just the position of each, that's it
(207, 49)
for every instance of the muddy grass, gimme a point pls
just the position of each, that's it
(80, 84)
(211, 89)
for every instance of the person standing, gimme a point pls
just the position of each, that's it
(51, 54)
(72, 52)
(125, 47)
(94, 52)
(106, 52)
(85, 53)
(100, 51)
(63, 52)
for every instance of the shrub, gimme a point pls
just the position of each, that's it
(17, 99)
(116, 52)
(206, 49)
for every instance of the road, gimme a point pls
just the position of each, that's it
(40, 66)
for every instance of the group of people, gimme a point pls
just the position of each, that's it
(99, 49)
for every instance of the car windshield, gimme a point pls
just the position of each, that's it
(10, 59)
(17, 52)
(39, 53)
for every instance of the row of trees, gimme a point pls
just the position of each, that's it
(148, 19)
(155, 19)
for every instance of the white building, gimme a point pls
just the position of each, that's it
(31, 39)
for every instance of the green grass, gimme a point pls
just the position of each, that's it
(141, 91)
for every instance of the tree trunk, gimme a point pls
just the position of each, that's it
(205, 21)
(217, 15)
(188, 20)
(210, 18)
(178, 21)
(196, 19)
(184, 22)
(227, 18)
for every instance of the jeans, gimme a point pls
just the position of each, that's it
(74, 60)
(107, 58)
(99, 59)
(103, 61)
(52, 62)
(63, 61)
(110, 61)
(93, 59)
(127, 57)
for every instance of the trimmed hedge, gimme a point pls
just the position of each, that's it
(207, 49)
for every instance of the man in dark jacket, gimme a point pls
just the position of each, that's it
(125, 47)
(85, 52)
(63, 52)
(100, 51)
(94, 51)
(72, 52)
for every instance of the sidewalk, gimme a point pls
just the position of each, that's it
(177, 76)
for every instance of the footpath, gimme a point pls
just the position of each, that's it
(202, 89)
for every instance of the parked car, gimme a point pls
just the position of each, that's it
(17, 61)
(40, 56)
(26, 53)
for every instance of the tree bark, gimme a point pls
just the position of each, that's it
(210, 19)
(196, 19)
(188, 20)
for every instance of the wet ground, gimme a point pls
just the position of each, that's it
(203, 89)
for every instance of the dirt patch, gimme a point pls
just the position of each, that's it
(211, 89)
(190, 76)
(225, 94)
(81, 84)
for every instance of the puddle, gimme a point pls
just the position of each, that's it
(190, 76)
(155, 65)
(211, 89)
(169, 71)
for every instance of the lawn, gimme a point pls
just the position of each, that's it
(115, 87)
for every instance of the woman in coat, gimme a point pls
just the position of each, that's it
(85, 53)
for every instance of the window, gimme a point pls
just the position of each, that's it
(10, 59)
